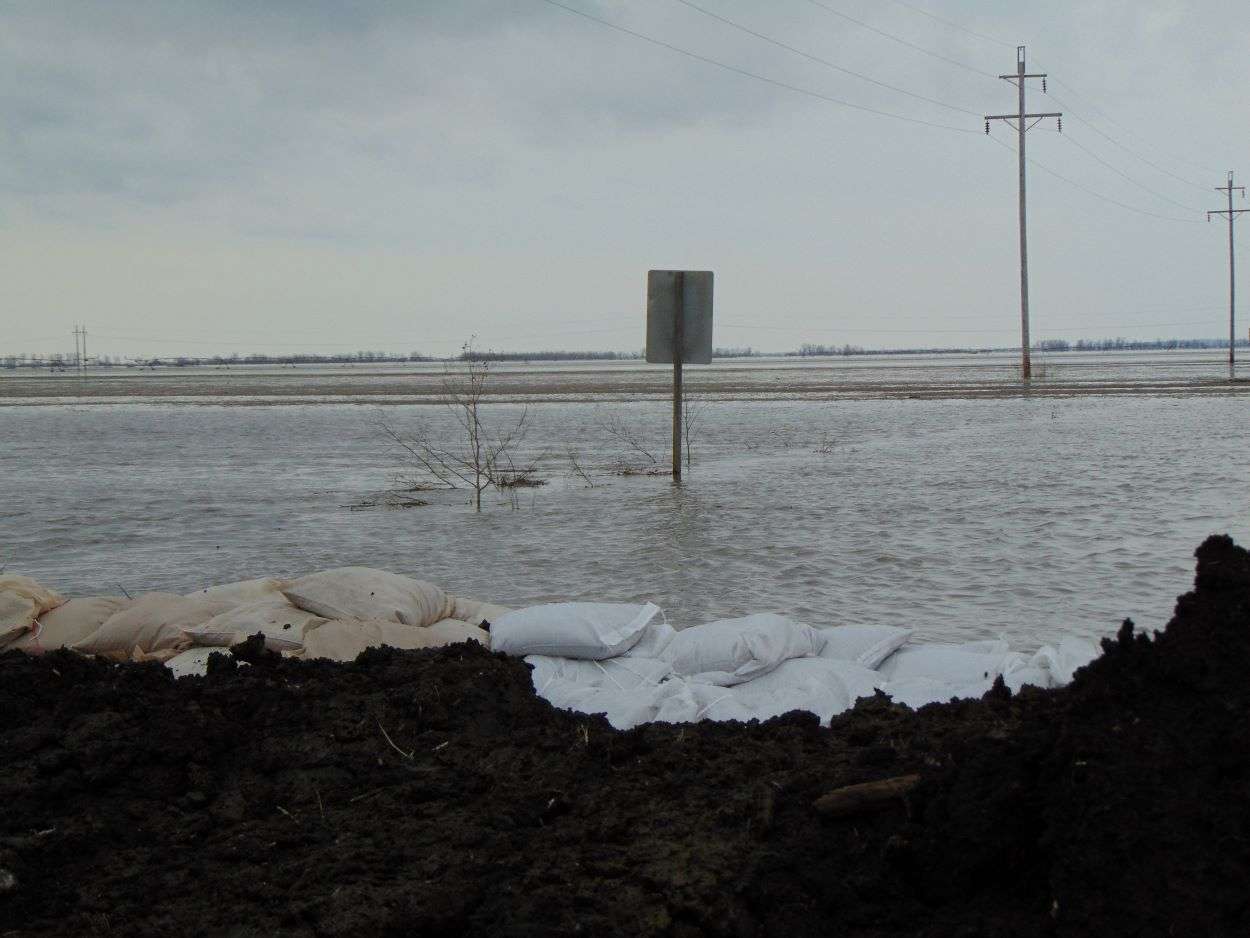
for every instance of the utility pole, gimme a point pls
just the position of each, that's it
(1232, 214)
(679, 348)
(1019, 119)
(77, 351)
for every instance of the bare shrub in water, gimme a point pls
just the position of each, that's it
(483, 454)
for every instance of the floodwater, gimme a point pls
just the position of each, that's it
(1031, 515)
(864, 377)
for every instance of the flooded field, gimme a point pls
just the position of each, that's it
(864, 377)
(1025, 514)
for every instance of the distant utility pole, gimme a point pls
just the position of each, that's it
(1232, 214)
(80, 351)
(1019, 119)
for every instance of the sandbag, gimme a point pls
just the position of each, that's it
(918, 691)
(282, 625)
(1063, 662)
(367, 594)
(153, 622)
(244, 591)
(952, 665)
(845, 680)
(194, 661)
(731, 651)
(345, 639)
(454, 630)
(653, 642)
(22, 601)
(867, 645)
(624, 709)
(475, 612)
(622, 673)
(1028, 676)
(68, 624)
(572, 630)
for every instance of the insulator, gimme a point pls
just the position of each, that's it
(987, 128)
(1043, 86)
(1059, 120)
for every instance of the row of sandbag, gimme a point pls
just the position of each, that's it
(620, 661)
(333, 614)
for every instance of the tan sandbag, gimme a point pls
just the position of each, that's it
(153, 622)
(244, 591)
(474, 611)
(344, 639)
(162, 656)
(282, 624)
(69, 623)
(364, 593)
(22, 601)
(194, 661)
(454, 630)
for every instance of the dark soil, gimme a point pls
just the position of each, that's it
(268, 800)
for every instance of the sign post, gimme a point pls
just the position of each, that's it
(679, 330)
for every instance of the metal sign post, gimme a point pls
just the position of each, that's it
(679, 330)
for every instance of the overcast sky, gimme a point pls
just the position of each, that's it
(210, 176)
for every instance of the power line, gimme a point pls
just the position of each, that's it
(899, 39)
(1124, 175)
(748, 74)
(1140, 139)
(953, 25)
(1128, 150)
(819, 60)
(1098, 195)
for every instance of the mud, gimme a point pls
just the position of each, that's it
(432, 793)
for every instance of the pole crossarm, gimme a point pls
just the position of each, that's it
(1227, 211)
(1012, 117)
(1013, 77)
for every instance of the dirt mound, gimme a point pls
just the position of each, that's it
(432, 793)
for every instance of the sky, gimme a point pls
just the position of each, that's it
(206, 177)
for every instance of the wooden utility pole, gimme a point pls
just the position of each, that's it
(1232, 214)
(1019, 119)
(679, 348)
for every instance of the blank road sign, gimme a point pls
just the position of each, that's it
(695, 302)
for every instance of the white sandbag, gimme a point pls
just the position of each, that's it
(572, 630)
(154, 622)
(1028, 676)
(916, 692)
(653, 642)
(193, 661)
(951, 665)
(846, 681)
(867, 645)
(731, 651)
(454, 630)
(68, 624)
(475, 612)
(622, 673)
(345, 639)
(22, 601)
(624, 709)
(244, 591)
(282, 624)
(687, 702)
(364, 593)
(1062, 662)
